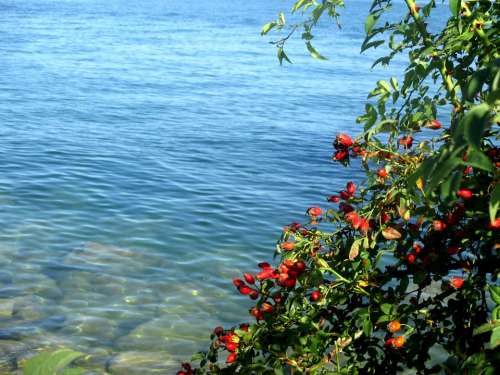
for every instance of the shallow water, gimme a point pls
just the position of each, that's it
(151, 151)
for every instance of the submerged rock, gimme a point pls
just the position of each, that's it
(38, 284)
(10, 350)
(90, 329)
(161, 333)
(6, 308)
(139, 363)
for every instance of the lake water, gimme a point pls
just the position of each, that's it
(150, 151)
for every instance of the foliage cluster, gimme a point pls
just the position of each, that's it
(401, 272)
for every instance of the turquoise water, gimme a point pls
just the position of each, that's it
(150, 151)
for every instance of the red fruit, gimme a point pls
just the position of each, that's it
(345, 195)
(186, 366)
(227, 338)
(293, 273)
(249, 278)
(384, 217)
(399, 342)
(495, 224)
(364, 226)
(406, 141)
(389, 341)
(456, 282)
(410, 258)
(300, 266)
(294, 227)
(264, 265)
(268, 273)
(257, 313)
(283, 268)
(340, 155)
(468, 170)
(334, 199)
(434, 124)
(245, 290)
(267, 307)
(277, 297)
(352, 216)
(314, 211)
(218, 330)
(231, 346)
(181, 373)
(231, 358)
(452, 250)
(417, 248)
(254, 295)
(289, 282)
(288, 246)
(315, 295)
(439, 225)
(238, 283)
(244, 327)
(351, 188)
(382, 173)
(345, 207)
(343, 141)
(358, 151)
(465, 194)
(394, 326)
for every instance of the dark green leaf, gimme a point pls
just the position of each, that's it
(477, 159)
(475, 123)
(495, 293)
(455, 7)
(494, 205)
(495, 338)
(386, 308)
(370, 22)
(315, 54)
(451, 184)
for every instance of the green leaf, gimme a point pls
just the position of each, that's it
(373, 44)
(72, 371)
(370, 22)
(384, 318)
(50, 362)
(282, 18)
(451, 184)
(475, 123)
(315, 54)
(477, 159)
(495, 314)
(353, 253)
(197, 357)
(443, 170)
(267, 27)
(455, 7)
(485, 328)
(367, 327)
(386, 308)
(494, 206)
(495, 338)
(495, 293)
(282, 56)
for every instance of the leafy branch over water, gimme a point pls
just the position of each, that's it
(429, 208)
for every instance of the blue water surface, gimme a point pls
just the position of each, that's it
(150, 151)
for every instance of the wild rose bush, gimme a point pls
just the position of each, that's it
(401, 272)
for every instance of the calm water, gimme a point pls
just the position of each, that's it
(149, 152)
